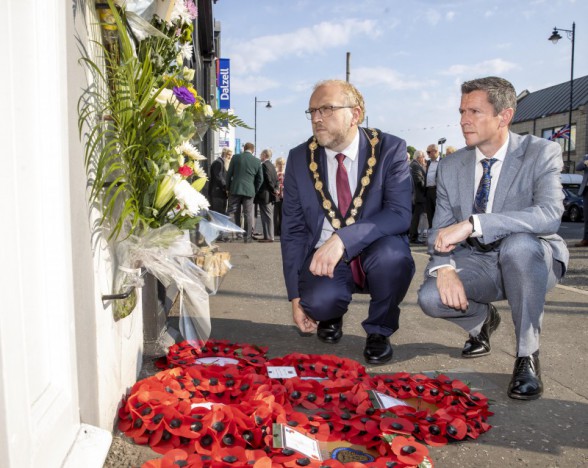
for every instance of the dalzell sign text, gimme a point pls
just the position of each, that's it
(224, 83)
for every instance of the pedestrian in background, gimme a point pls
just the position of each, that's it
(244, 179)
(583, 192)
(266, 195)
(217, 185)
(280, 166)
(418, 173)
(431, 182)
(450, 150)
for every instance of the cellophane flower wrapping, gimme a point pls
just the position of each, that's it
(168, 254)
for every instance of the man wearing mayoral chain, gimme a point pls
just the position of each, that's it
(346, 213)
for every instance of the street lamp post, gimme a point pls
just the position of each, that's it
(267, 106)
(555, 36)
(441, 142)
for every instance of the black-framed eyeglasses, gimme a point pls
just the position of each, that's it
(324, 111)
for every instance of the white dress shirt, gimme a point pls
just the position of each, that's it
(432, 173)
(495, 174)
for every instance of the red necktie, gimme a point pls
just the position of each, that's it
(344, 200)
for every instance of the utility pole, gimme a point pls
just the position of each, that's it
(348, 72)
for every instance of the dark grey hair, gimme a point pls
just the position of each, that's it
(501, 93)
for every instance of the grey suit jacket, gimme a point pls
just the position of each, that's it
(528, 197)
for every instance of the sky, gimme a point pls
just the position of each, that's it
(407, 57)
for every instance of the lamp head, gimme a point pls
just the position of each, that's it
(555, 36)
(268, 105)
(441, 141)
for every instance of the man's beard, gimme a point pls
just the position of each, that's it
(330, 140)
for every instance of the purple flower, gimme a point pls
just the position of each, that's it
(183, 95)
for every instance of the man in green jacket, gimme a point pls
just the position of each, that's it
(244, 179)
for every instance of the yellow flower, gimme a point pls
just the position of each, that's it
(198, 184)
(165, 190)
(193, 91)
(188, 73)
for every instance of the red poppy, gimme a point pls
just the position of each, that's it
(432, 430)
(408, 450)
(396, 425)
(171, 459)
(293, 419)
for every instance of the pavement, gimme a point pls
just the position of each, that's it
(251, 307)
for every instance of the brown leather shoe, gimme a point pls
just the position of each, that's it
(582, 243)
(477, 346)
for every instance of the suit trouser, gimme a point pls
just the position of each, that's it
(278, 218)
(218, 204)
(267, 220)
(522, 269)
(430, 203)
(389, 268)
(417, 210)
(235, 204)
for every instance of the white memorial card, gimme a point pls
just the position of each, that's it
(281, 372)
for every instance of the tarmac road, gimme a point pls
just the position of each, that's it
(251, 307)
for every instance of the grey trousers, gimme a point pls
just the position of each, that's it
(521, 271)
(266, 210)
(236, 202)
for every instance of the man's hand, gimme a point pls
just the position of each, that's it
(302, 321)
(451, 290)
(327, 256)
(448, 237)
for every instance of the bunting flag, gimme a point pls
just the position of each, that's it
(563, 132)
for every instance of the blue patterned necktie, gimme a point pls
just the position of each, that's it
(481, 200)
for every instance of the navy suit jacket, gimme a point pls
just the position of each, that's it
(386, 210)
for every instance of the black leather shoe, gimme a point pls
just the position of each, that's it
(526, 379)
(377, 349)
(330, 331)
(477, 346)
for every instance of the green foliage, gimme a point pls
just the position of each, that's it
(411, 150)
(133, 124)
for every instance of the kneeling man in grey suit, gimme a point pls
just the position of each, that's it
(499, 207)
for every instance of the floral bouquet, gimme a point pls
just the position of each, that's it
(140, 118)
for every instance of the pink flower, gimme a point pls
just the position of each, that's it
(192, 9)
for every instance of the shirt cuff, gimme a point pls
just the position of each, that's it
(477, 227)
(433, 271)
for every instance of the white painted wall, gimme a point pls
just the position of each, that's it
(110, 353)
(63, 359)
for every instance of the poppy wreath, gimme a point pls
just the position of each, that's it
(214, 415)
(187, 353)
